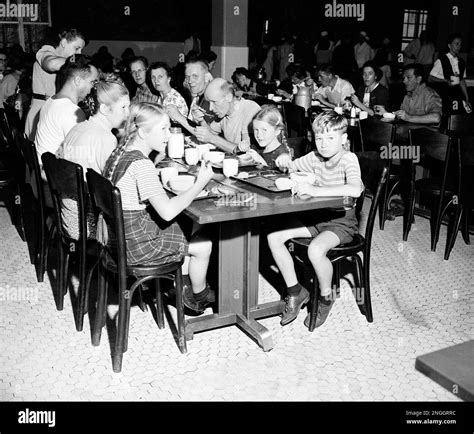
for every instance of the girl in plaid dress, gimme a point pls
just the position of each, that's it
(152, 233)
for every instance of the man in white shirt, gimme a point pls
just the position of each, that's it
(61, 112)
(235, 116)
(363, 52)
(333, 90)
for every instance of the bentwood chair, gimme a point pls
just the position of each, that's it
(12, 172)
(66, 182)
(113, 259)
(295, 119)
(43, 236)
(377, 135)
(436, 149)
(374, 177)
(461, 129)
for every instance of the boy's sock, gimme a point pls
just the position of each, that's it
(201, 296)
(326, 296)
(294, 290)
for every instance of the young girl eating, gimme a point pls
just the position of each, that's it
(269, 131)
(152, 233)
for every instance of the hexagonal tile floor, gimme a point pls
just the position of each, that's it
(421, 303)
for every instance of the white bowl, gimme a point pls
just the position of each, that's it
(182, 182)
(284, 183)
(303, 177)
(388, 115)
(214, 156)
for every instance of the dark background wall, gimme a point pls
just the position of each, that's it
(149, 20)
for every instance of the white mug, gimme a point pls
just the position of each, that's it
(454, 79)
(203, 149)
(270, 96)
(167, 173)
(191, 156)
(230, 167)
(338, 110)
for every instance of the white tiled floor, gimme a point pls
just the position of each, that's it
(421, 303)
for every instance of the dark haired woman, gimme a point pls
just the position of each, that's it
(49, 61)
(371, 92)
(159, 75)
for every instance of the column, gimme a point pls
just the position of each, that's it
(229, 36)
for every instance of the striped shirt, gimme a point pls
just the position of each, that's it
(138, 184)
(345, 171)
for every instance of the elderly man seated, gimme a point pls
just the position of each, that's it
(235, 116)
(334, 90)
(196, 81)
(421, 104)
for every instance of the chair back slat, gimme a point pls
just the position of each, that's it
(377, 197)
(375, 133)
(107, 200)
(6, 134)
(461, 125)
(66, 181)
(432, 143)
(28, 149)
(295, 119)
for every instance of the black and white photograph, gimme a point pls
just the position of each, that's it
(239, 202)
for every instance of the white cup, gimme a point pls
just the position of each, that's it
(270, 96)
(338, 110)
(191, 156)
(230, 166)
(203, 149)
(167, 173)
(454, 79)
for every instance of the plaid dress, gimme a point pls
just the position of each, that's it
(150, 240)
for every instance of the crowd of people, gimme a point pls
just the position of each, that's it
(109, 116)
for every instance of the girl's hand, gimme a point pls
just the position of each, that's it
(283, 162)
(244, 145)
(205, 173)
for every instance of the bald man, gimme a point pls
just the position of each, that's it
(235, 117)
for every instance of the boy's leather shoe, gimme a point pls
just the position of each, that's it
(293, 305)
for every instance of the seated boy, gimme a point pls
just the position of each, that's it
(337, 174)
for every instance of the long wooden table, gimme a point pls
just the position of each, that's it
(238, 244)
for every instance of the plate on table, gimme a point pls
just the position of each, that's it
(266, 180)
(213, 189)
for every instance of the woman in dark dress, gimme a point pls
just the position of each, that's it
(371, 92)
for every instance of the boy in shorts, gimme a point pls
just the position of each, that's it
(337, 174)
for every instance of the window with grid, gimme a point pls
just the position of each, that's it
(414, 21)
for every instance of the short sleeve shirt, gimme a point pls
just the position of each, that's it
(89, 144)
(57, 117)
(175, 98)
(342, 89)
(422, 101)
(238, 125)
(138, 184)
